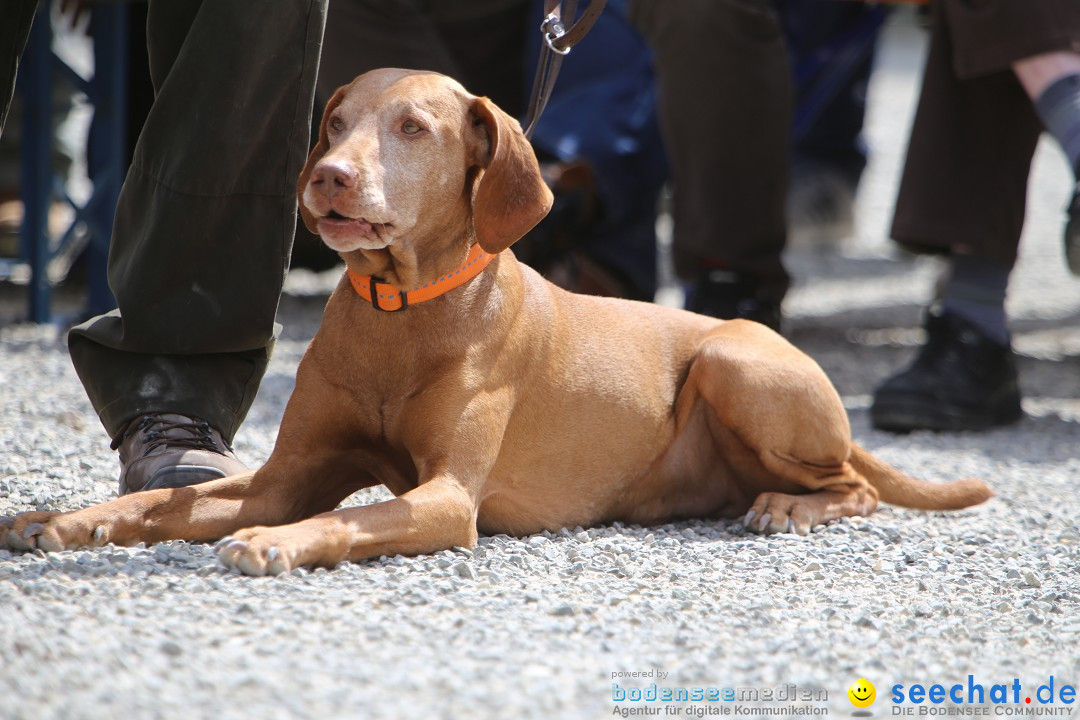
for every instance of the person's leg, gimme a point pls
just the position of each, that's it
(1039, 72)
(205, 221)
(496, 67)
(1052, 81)
(1037, 43)
(963, 192)
(362, 35)
(725, 109)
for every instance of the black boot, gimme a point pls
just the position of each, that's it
(727, 295)
(961, 380)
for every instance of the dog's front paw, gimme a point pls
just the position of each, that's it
(777, 513)
(50, 531)
(276, 550)
(254, 552)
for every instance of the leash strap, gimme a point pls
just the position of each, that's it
(387, 298)
(558, 40)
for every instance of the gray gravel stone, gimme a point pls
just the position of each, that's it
(464, 570)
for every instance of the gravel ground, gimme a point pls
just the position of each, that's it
(536, 627)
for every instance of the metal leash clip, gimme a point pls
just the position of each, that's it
(558, 41)
(553, 29)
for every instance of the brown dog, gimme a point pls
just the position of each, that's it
(494, 401)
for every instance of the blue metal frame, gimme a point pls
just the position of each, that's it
(106, 154)
(35, 82)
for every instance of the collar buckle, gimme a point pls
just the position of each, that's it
(375, 280)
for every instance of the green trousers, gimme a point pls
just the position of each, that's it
(205, 221)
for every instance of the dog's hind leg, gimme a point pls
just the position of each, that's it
(782, 424)
(844, 496)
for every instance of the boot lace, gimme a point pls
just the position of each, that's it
(194, 434)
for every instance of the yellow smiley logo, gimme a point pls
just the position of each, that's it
(862, 693)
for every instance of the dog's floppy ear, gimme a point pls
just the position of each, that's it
(511, 196)
(314, 156)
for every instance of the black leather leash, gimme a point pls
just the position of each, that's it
(558, 39)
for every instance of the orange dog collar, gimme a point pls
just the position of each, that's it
(387, 298)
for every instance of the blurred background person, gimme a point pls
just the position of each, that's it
(999, 74)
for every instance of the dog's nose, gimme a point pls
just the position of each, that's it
(330, 178)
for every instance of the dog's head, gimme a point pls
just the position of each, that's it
(404, 155)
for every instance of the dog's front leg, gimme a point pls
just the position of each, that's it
(437, 515)
(282, 491)
(190, 513)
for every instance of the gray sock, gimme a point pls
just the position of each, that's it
(976, 292)
(1059, 108)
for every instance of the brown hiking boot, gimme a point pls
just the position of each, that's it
(170, 451)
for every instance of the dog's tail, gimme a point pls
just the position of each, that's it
(896, 488)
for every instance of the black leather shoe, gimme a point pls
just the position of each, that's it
(1072, 234)
(961, 380)
(725, 295)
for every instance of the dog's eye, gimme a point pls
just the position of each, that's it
(410, 128)
(336, 124)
